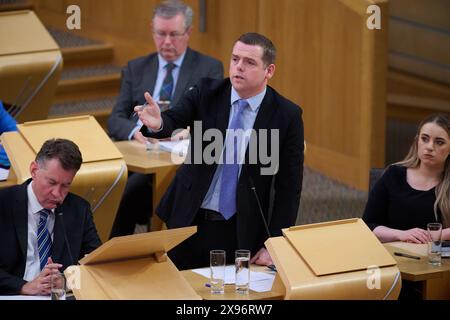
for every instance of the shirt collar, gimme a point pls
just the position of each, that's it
(254, 101)
(178, 62)
(33, 202)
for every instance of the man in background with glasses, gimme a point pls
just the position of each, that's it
(167, 74)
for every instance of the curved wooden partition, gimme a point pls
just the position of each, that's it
(30, 65)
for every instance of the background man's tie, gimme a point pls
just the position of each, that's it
(230, 173)
(165, 94)
(43, 238)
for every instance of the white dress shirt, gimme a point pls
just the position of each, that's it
(33, 268)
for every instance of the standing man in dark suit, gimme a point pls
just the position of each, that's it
(37, 216)
(167, 74)
(219, 196)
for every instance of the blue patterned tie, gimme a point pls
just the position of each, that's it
(230, 172)
(165, 94)
(43, 238)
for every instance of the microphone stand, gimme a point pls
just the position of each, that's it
(252, 186)
(66, 241)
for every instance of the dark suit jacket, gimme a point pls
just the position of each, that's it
(209, 102)
(79, 226)
(140, 76)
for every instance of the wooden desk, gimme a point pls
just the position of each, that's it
(436, 280)
(157, 163)
(8, 182)
(198, 283)
(11, 181)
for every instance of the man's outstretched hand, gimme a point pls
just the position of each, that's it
(149, 113)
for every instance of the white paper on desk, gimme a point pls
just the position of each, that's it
(259, 281)
(262, 285)
(24, 297)
(4, 173)
(179, 147)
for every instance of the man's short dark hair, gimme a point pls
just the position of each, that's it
(64, 150)
(256, 39)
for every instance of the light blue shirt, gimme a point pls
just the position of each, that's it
(211, 200)
(162, 71)
(162, 74)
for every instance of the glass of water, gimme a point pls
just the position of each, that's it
(242, 271)
(58, 286)
(435, 245)
(217, 266)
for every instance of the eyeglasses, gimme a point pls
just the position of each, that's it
(172, 35)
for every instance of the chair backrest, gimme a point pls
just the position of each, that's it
(375, 174)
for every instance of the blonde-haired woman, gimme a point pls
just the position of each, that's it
(415, 191)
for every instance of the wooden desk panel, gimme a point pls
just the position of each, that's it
(198, 283)
(141, 160)
(156, 162)
(416, 270)
(7, 183)
(436, 279)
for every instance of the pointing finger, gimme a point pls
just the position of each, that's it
(149, 99)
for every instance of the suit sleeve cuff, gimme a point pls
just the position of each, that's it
(131, 135)
(156, 131)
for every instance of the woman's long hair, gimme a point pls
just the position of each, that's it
(443, 188)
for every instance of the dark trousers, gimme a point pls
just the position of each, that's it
(136, 205)
(211, 234)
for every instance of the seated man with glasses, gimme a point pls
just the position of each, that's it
(161, 35)
(167, 74)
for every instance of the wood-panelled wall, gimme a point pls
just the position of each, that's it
(328, 62)
(419, 59)
(335, 68)
(419, 38)
(127, 24)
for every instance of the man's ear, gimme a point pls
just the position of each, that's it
(270, 71)
(189, 31)
(34, 167)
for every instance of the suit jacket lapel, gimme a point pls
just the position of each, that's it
(223, 111)
(20, 213)
(266, 110)
(150, 74)
(265, 113)
(58, 236)
(184, 75)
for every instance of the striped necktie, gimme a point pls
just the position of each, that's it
(165, 94)
(230, 172)
(43, 238)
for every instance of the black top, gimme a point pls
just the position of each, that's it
(393, 203)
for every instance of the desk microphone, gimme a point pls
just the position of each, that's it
(252, 186)
(66, 241)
